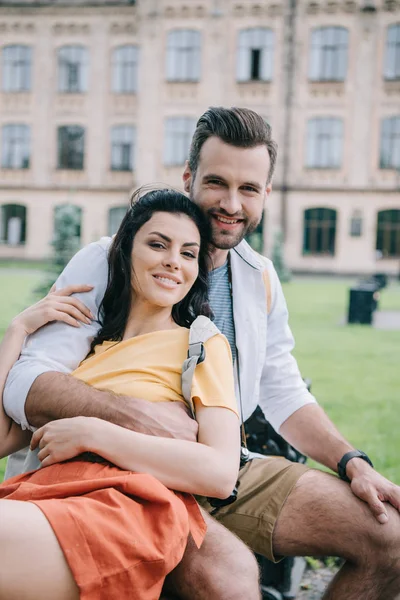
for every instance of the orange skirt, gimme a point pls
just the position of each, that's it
(121, 532)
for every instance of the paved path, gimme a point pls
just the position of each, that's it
(386, 319)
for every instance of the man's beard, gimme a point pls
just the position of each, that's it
(225, 240)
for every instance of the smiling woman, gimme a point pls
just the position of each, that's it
(122, 481)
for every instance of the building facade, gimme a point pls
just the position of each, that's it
(97, 98)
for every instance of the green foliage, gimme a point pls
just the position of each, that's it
(65, 243)
(278, 258)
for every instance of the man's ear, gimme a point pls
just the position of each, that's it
(268, 190)
(187, 178)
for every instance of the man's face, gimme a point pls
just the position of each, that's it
(230, 186)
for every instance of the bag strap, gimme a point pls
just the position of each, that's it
(201, 330)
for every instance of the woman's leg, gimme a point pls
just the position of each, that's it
(32, 564)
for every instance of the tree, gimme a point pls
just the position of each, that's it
(284, 273)
(65, 243)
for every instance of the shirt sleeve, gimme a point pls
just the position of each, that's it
(58, 346)
(213, 382)
(282, 389)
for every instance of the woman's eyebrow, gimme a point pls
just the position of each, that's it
(167, 239)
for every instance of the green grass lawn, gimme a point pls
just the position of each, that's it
(354, 369)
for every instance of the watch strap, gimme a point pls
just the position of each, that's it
(342, 464)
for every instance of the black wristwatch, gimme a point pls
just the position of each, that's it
(342, 464)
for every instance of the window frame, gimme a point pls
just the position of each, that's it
(77, 56)
(17, 70)
(389, 149)
(391, 70)
(388, 233)
(324, 145)
(177, 141)
(333, 53)
(21, 140)
(121, 135)
(319, 231)
(71, 165)
(183, 56)
(124, 61)
(249, 40)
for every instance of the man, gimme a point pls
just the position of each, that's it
(282, 508)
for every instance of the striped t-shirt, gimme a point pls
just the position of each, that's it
(221, 304)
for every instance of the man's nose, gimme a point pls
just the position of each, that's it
(231, 202)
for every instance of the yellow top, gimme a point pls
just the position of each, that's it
(149, 366)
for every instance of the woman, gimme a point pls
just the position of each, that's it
(111, 528)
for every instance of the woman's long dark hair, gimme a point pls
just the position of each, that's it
(116, 304)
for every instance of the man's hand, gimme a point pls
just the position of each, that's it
(165, 419)
(374, 489)
(59, 396)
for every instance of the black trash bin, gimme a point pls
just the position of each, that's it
(363, 301)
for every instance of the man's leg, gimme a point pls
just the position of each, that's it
(285, 509)
(322, 517)
(223, 569)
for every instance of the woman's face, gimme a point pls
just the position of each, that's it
(165, 259)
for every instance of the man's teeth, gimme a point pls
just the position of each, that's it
(228, 221)
(166, 280)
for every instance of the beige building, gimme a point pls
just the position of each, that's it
(97, 97)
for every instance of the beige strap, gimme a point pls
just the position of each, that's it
(267, 285)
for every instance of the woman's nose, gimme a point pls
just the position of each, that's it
(172, 261)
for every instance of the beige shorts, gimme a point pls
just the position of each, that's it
(264, 485)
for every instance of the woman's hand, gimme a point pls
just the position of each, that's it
(56, 306)
(63, 439)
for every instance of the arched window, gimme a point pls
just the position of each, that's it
(319, 231)
(72, 69)
(115, 216)
(390, 143)
(255, 54)
(328, 56)
(388, 233)
(178, 135)
(183, 55)
(17, 67)
(324, 143)
(13, 224)
(15, 146)
(125, 70)
(71, 147)
(392, 55)
(123, 148)
(68, 225)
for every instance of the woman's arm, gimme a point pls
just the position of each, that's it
(56, 306)
(209, 467)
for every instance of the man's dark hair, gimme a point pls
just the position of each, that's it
(240, 127)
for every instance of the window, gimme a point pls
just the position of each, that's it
(392, 57)
(183, 55)
(72, 69)
(328, 60)
(356, 224)
(324, 143)
(15, 147)
(71, 146)
(255, 55)
(388, 233)
(122, 148)
(319, 231)
(178, 136)
(390, 143)
(125, 70)
(17, 64)
(13, 224)
(115, 216)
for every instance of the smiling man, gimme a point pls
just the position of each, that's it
(282, 508)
